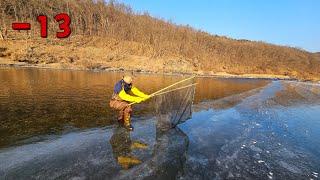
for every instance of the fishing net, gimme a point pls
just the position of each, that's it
(173, 105)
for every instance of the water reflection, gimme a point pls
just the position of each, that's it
(112, 153)
(167, 160)
(93, 153)
(37, 102)
(122, 145)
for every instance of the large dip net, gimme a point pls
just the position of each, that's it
(173, 104)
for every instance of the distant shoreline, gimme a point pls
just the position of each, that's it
(58, 66)
(104, 54)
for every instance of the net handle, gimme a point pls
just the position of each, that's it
(165, 92)
(172, 85)
(158, 92)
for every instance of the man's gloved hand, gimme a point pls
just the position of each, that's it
(146, 97)
(138, 100)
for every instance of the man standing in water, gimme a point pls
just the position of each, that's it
(125, 93)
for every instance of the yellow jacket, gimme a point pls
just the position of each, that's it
(138, 95)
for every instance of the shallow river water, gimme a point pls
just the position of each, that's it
(56, 124)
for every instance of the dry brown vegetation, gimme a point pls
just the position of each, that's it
(111, 35)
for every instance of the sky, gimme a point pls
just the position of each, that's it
(294, 23)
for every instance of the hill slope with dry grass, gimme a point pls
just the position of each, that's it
(112, 36)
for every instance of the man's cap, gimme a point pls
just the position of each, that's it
(127, 79)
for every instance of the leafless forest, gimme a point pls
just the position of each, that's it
(159, 38)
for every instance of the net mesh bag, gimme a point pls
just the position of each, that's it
(173, 105)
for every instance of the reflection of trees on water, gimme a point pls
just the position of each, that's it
(168, 157)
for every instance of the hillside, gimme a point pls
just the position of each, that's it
(112, 36)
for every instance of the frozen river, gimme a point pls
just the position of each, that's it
(56, 124)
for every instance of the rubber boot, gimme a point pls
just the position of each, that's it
(126, 162)
(127, 123)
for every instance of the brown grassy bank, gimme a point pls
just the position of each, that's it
(110, 35)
